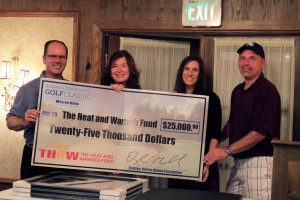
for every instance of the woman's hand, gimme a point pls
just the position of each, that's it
(204, 174)
(173, 91)
(117, 87)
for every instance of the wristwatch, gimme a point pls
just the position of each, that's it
(229, 150)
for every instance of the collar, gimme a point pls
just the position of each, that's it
(43, 75)
(254, 85)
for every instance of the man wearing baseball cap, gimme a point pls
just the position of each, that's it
(253, 122)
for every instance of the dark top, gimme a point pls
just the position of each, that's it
(255, 109)
(213, 130)
(214, 119)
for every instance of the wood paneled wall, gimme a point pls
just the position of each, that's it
(285, 183)
(239, 17)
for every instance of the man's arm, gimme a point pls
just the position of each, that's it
(17, 123)
(245, 143)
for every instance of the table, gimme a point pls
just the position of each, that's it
(154, 194)
(180, 194)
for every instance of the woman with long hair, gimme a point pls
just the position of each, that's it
(190, 80)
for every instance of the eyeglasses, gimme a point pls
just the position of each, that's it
(61, 57)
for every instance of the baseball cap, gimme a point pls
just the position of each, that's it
(255, 47)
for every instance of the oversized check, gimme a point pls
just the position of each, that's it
(93, 127)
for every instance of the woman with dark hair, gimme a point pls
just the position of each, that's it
(190, 80)
(121, 71)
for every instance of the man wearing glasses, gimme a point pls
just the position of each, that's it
(23, 114)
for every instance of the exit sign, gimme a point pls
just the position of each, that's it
(201, 12)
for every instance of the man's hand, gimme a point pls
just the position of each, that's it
(17, 123)
(31, 116)
(215, 155)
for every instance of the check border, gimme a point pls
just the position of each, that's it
(107, 169)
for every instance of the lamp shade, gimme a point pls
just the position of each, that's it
(6, 71)
(22, 77)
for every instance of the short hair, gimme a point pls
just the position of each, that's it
(200, 85)
(52, 41)
(133, 79)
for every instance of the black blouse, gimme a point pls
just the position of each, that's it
(214, 119)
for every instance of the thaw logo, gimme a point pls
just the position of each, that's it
(58, 154)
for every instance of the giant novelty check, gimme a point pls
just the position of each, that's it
(92, 127)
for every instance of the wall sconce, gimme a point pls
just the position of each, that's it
(11, 86)
(6, 71)
(22, 78)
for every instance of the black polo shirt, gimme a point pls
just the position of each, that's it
(255, 109)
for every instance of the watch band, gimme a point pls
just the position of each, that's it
(229, 150)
